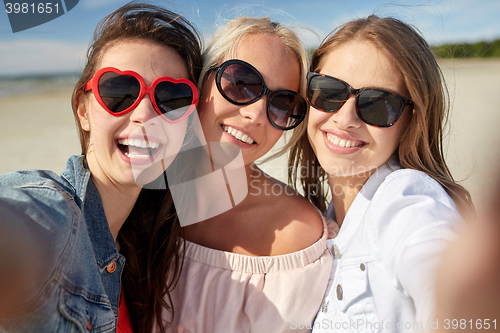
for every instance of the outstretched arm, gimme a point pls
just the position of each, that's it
(468, 288)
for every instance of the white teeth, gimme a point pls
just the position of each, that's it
(342, 142)
(137, 156)
(138, 143)
(238, 134)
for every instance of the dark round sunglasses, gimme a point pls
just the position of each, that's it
(375, 107)
(241, 84)
(119, 92)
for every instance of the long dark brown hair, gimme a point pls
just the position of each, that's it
(421, 146)
(150, 238)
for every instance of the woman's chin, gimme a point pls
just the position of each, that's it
(146, 174)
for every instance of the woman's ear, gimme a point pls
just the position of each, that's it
(82, 111)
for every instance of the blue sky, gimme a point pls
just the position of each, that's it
(60, 45)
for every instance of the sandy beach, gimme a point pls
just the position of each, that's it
(38, 130)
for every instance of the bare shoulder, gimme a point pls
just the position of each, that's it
(297, 223)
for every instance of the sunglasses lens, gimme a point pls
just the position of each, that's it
(173, 99)
(379, 108)
(118, 92)
(326, 94)
(240, 84)
(286, 110)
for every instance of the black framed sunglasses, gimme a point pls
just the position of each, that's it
(375, 107)
(241, 84)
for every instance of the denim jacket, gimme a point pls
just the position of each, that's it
(78, 268)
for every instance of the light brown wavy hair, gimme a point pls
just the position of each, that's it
(421, 146)
(150, 238)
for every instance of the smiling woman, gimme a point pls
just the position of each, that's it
(249, 268)
(132, 106)
(377, 103)
(112, 150)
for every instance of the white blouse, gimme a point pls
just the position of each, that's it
(386, 254)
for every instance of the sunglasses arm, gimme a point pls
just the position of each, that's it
(88, 86)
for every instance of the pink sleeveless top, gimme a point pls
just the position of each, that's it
(221, 291)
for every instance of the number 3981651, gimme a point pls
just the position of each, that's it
(470, 324)
(25, 8)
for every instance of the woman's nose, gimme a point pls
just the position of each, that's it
(347, 116)
(144, 111)
(255, 112)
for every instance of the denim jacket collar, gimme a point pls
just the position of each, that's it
(78, 175)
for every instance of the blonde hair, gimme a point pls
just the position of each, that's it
(226, 40)
(421, 146)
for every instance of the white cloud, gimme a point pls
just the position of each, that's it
(311, 38)
(458, 21)
(32, 56)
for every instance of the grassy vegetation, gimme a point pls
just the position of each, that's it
(463, 50)
(476, 50)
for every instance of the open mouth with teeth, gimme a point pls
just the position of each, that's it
(343, 142)
(238, 134)
(137, 148)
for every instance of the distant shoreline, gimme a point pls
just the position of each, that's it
(15, 85)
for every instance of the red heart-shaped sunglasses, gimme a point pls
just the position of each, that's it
(119, 92)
